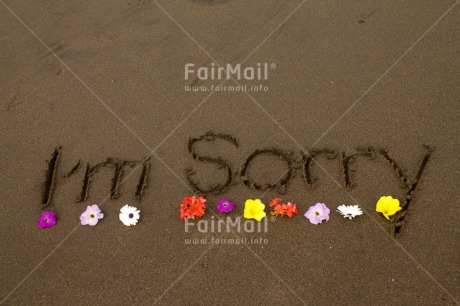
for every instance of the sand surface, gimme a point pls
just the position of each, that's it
(100, 80)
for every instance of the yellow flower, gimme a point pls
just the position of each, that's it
(254, 209)
(388, 206)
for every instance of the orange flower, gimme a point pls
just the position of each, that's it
(193, 207)
(278, 210)
(288, 209)
(275, 202)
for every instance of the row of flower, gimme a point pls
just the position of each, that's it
(195, 208)
(129, 215)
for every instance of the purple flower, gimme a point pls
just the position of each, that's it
(225, 206)
(317, 213)
(91, 215)
(47, 219)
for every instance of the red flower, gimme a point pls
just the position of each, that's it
(192, 207)
(291, 209)
(288, 209)
(275, 202)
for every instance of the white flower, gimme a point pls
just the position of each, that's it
(129, 215)
(349, 211)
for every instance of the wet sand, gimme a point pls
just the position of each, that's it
(374, 87)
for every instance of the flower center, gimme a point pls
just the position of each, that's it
(46, 219)
(92, 216)
(317, 213)
(130, 216)
(225, 204)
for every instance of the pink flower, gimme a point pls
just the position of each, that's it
(317, 213)
(225, 206)
(47, 219)
(91, 215)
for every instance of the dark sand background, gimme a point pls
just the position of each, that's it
(398, 60)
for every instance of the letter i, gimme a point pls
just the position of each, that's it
(50, 183)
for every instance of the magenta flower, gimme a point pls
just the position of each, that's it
(47, 219)
(317, 213)
(91, 215)
(225, 206)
